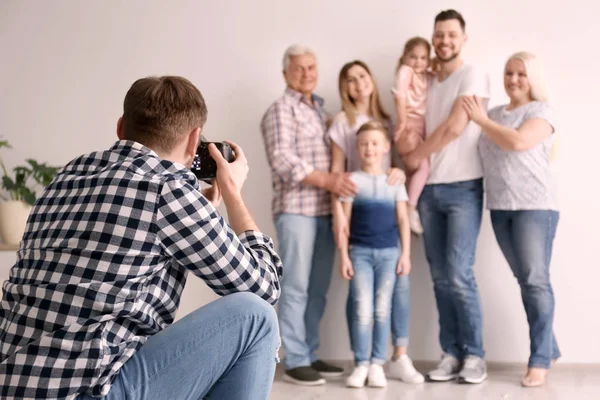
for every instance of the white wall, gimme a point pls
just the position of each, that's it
(65, 67)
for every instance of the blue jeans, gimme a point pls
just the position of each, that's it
(224, 350)
(307, 250)
(371, 291)
(451, 218)
(526, 237)
(400, 312)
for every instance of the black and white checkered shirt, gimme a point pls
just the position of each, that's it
(103, 263)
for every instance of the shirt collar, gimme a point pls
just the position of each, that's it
(299, 97)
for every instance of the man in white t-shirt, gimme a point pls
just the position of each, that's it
(451, 204)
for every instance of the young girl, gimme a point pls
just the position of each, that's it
(410, 95)
(371, 258)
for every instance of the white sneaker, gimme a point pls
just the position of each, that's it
(414, 221)
(376, 376)
(358, 377)
(404, 370)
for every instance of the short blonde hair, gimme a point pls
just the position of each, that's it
(535, 75)
(373, 125)
(296, 50)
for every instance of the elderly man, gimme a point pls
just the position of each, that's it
(294, 134)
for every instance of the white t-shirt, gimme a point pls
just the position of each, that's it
(459, 160)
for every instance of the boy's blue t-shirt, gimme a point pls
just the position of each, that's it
(373, 222)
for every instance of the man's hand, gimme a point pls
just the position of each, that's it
(346, 268)
(395, 176)
(404, 266)
(340, 184)
(411, 163)
(213, 193)
(230, 176)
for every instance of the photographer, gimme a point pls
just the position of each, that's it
(89, 307)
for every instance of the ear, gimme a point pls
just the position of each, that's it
(192, 143)
(285, 77)
(120, 128)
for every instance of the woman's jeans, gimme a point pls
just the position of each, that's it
(224, 350)
(525, 237)
(370, 296)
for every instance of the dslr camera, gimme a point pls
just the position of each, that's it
(204, 166)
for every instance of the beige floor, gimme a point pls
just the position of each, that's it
(568, 382)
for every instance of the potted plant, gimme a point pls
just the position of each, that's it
(21, 187)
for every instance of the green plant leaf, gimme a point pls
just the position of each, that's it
(28, 196)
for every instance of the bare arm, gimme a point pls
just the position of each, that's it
(346, 268)
(401, 112)
(404, 226)
(346, 209)
(448, 130)
(340, 227)
(531, 132)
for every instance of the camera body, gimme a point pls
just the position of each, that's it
(203, 166)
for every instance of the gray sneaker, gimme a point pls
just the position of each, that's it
(446, 370)
(474, 370)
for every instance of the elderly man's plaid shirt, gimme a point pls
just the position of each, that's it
(102, 266)
(296, 143)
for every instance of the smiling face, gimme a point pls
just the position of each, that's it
(417, 58)
(516, 82)
(302, 74)
(448, 39)
(372, 146)
(359, 83)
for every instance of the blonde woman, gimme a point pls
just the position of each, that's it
(361, 104)
(516, 152)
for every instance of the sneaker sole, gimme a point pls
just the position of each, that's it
(471, 380)
(441, 378)
(331, 374)
(289, 379)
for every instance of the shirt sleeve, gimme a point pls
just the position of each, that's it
(194, 235)
(474, 82)
(279, 130)
(401, 193)
(541, 110)
(403, 79)
(337, 133)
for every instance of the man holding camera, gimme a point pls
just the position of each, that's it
(89, 307)
(294, 135)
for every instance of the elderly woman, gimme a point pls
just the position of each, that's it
(515, 150)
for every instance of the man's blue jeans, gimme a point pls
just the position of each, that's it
(224, 350)
(307, 250)
(526, 237)
(371, 291)
(451, 219)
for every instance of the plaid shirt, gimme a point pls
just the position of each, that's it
(295, 140)
(102, 265)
